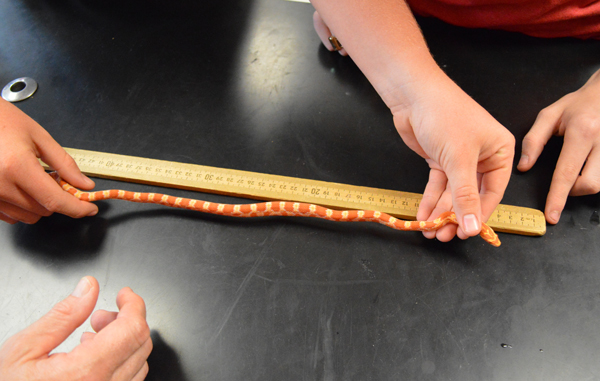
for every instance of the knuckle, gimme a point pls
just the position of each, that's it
(511, 141)
(590, 186)
(78, 214)
(92, 374)
(507, 137)
(51, 204)
(546, 113)
(587, 125)
(98, 369)
(567, 172)
(10, 166)
(140, 331)
(507, 151)
(531, 140)
(65, 161)
(466, 195)
(62, 310)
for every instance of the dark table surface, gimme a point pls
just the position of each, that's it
(246, 85)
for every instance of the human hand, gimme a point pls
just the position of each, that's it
(576, 116)
(117, 351)
(469, 153)
(26, 192)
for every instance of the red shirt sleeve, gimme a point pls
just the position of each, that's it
(540, 18)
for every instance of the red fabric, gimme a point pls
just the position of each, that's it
(540, 18)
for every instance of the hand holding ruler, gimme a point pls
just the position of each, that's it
(260, 186)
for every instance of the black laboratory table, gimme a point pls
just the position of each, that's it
(245, 85)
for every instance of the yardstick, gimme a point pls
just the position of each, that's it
(261, 186)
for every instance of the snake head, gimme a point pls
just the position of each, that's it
(55, 176)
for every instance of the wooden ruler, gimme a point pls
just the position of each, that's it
(261, 186)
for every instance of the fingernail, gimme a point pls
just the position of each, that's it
(83, 287)
(524, 160)
(554, 216)
(470, 223)
(93, 213)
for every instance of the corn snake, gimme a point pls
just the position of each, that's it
(274, 208)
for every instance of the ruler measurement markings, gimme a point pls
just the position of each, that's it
(279, 186)
(265, 186)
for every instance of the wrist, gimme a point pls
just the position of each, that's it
(402, 91)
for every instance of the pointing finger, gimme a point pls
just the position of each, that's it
(572, 157)
(589, 181)
(542, 130)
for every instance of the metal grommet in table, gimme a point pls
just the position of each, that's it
(19, 89)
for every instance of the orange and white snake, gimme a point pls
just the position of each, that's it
(274, 208)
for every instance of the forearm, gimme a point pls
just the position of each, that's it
(384, 40)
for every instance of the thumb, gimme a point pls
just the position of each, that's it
(465, 196)
(53, 328)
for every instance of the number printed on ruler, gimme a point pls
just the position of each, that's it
(514, 217)
(230, 180)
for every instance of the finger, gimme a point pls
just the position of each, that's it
(86, 336)
(324, 33)
(445, 204)
(436, 185)
(131, 367)
(123, 337)
(122, 346)
(53, 328)
(570, 161)
(589, 181)
(462, 176)
(7, 219)
(437, 199)
(135, 365)
(493, 184)
(445, 233)
(322, 30)
(58, 159)
(12, 194)
(141, 375)
(19, 214)
(534, 141)
(101, 319)
(48, 194)
(130, 304)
